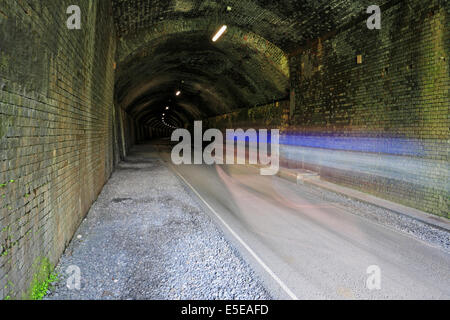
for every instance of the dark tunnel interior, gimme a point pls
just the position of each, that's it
(167, 47)
(343, 105)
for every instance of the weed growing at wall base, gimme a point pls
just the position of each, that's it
(42, 279)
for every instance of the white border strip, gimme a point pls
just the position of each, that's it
(258, 259)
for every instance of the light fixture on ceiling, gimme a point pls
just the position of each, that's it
(219, 33)
(167, 108)
(178, 93)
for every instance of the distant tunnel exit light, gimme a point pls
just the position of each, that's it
(219, 33)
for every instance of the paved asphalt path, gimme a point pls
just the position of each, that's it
(306, 247)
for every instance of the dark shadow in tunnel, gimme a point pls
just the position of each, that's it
(176, 79)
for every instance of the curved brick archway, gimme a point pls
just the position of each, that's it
(73, 102)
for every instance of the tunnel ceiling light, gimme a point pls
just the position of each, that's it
(219, 33)
(178, 93)
(167, 108)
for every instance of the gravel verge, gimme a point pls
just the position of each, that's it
(146, 238)
(434, 236)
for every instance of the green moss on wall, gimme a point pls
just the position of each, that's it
(43, 277)
(4, 124)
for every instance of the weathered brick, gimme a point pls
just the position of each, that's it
(56, 110)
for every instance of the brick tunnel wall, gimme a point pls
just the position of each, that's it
(395, 103)
(128, 133)
(270, 116)
(58, 144)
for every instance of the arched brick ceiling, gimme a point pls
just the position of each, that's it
(286, 23)
(166, 46)
(213, 78)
